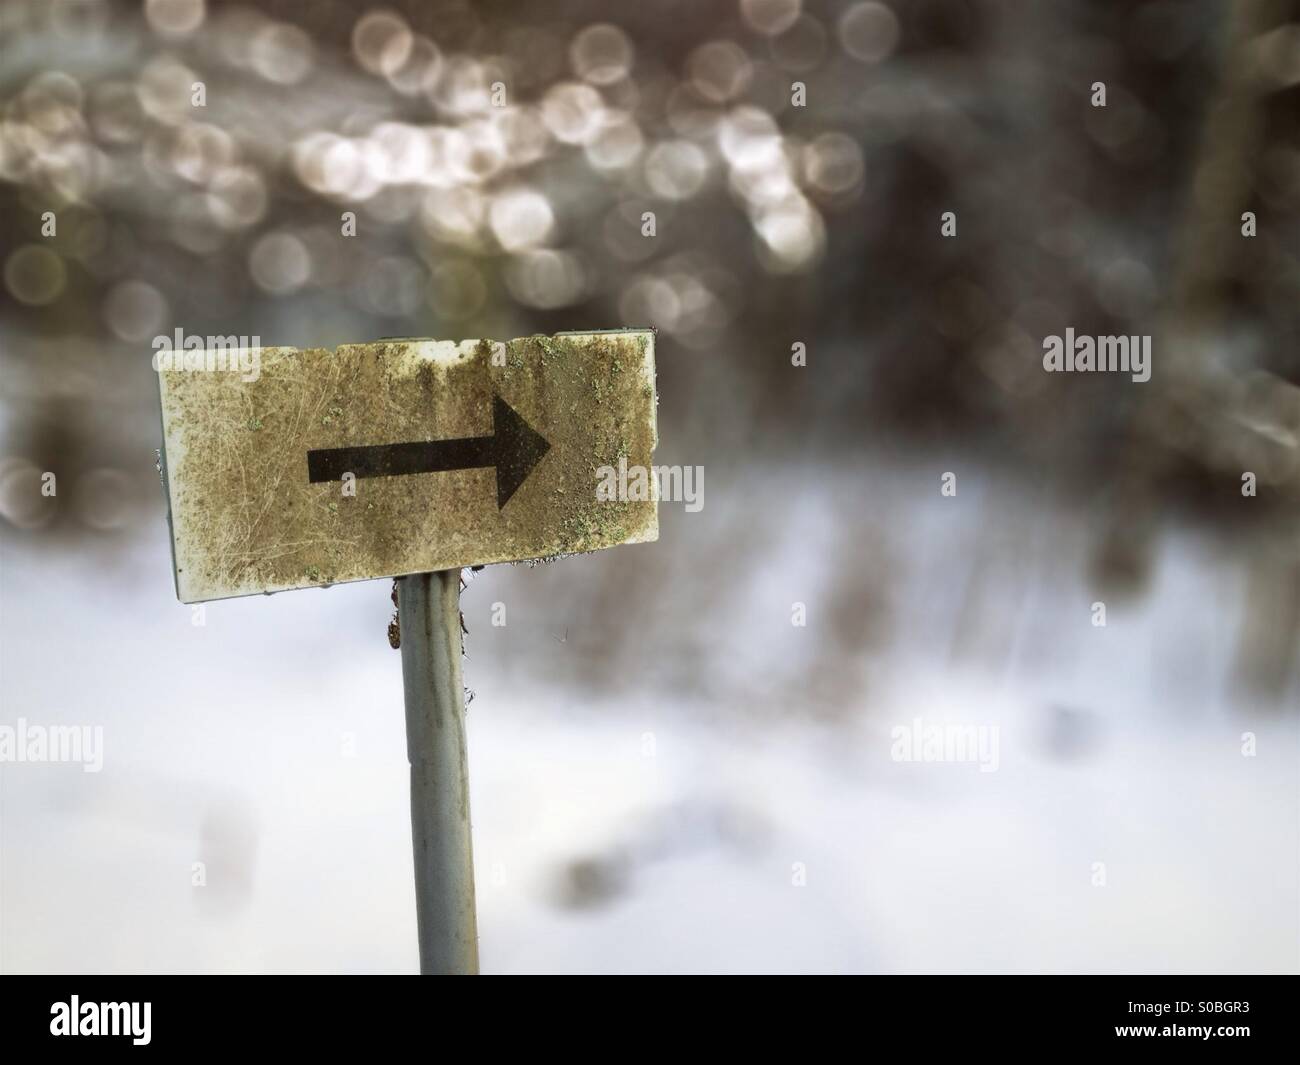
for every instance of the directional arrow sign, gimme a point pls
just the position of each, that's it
(290, 468)
(512, 450)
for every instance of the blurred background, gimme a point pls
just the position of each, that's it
(667, 774)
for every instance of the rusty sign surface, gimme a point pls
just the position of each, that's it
(293, 468)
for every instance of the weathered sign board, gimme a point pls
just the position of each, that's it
(401, 456)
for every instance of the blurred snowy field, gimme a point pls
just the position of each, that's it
(723, 800)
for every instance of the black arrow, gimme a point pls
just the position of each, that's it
(514, 448)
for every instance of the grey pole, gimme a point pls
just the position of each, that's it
(429, 616)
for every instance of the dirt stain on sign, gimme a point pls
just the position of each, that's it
(246, 519)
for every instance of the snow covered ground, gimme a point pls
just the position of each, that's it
(721, 798)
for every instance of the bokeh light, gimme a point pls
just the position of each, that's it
(771, 17)
(35, 275)
(869, 31)
(175, 18)
(280, 263)
(135, 310)
(601, 54)
(520, 218)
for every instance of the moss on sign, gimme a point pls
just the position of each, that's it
(247, 519)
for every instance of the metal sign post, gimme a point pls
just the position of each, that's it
(428, 611)
(407, 458)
